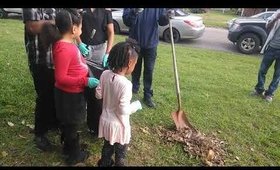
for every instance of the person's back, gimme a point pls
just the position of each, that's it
(114, 86)
(145, 27)
(115, 90)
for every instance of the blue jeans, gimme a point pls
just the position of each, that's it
(270, 55)
(149, 57)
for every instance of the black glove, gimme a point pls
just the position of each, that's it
(138, 10)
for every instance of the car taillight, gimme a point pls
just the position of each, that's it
(192, 24)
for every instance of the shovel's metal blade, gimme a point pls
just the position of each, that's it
(181, 120)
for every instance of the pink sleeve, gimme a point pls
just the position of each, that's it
(125, 108)
(62, 59)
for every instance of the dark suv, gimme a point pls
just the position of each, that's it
(249, 34)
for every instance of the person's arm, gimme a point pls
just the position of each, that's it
(99, 88)
(125, 107)
(129, 16)
(62, 59)
(110, 31)
(32, 22)
(271, 20)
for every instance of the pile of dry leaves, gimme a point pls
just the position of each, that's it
(209, 149)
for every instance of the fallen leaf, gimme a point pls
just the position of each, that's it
(22, 136)
(56, 163)
(4, 154)
(237, 158)
(145, 131)
(208, 163)
(30, 126)
(23, 122)
(11, 124)
(210, 155)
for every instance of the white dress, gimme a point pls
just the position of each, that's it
(116, 92)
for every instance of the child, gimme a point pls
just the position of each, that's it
(116, 91)
(71, 78)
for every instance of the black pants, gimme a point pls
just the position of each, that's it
(108, 151)
(45, 114)
(149, 57)
(94, 109)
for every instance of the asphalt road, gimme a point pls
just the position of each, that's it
(213, 38)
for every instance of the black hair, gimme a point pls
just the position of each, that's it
(64, 21)
(120, 54)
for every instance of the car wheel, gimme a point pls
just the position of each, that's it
(166, 35)
(248, 43)
(116, 27)
(3, 14)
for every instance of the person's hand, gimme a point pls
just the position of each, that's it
(83, 49)
(138, 10)
(171, 13)
(92, 82)
(105, 60)
(137, 105)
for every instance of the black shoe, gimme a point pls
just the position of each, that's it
(149, 102)
(101, 163)
(77, 158)
(43, 143)
(120, 162)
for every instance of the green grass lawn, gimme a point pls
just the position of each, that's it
(215, 90)
(217, 18)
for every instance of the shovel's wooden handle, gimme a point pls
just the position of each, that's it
(175, 67)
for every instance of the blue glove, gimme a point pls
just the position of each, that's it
(83, 49)
(92, 82)
(105, 60)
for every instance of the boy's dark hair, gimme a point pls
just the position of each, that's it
(120, 53)
(64, 21)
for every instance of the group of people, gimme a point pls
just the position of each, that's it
(59, 42)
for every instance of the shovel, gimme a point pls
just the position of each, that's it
(179, 117)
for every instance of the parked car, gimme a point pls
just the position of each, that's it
(262, 15)
(5, 11)
(248, 34)
(184, 24)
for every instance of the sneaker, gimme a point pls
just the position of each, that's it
(81, 157)
(43, 143)
(149, 102)
(268, 98)
(102, 163)
(257, 94)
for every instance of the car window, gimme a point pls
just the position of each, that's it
(180, 13)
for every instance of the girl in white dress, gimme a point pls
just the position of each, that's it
(116, 91)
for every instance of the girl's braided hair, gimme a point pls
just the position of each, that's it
(121, 52)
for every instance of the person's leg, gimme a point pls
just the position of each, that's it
(120, 154)
(41, 117)
(276, 76)
(72, 143)
(267, 60)
(106, 156)
(149, 63)
(136, 74)
(94, 110)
